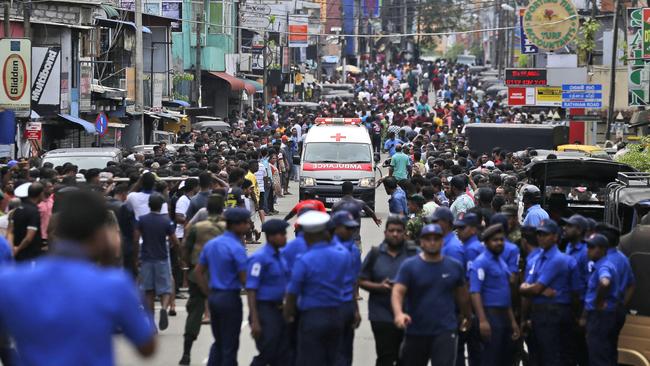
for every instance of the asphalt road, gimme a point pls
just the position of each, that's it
(170, 341)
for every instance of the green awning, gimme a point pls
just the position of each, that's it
(110, 11)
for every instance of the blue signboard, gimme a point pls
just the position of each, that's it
(582, 96)
(527, 47)
(101, 124)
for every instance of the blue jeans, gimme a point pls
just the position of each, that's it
(225, 320)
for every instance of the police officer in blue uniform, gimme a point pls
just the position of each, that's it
(344, 227)
(550, 286)
(425, 282)
(489, 287)
(451, 245)
(316, 291)
(64, 309)
(601, 303)
(266, 282)
(224, 258)
(575, 228)
(511, 252)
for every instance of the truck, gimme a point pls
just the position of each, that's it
(482, 137)
(337, 150)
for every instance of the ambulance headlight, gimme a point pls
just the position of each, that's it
(367, 182)
(307, 182)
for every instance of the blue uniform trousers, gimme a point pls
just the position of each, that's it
(273, 346)
(471, 338)
(319, 333)
(225, 318)
(602, 338)
(552, 326)
(498, 350)
(347, 339)
(439, 349)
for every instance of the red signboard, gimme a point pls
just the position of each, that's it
(33, 131)
(521, 96)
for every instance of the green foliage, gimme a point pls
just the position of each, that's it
(586, 40)
(183, 76)
(522, 60)
(454, 51)
(638, 155)
(439, 16)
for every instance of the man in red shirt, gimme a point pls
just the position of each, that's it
(310, 202)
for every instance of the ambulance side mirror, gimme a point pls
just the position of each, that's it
(377, 158)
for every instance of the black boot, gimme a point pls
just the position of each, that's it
(187, 350)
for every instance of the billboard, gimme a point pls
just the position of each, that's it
(637, 68)
(15, 61)
(550, 96)
(298, 35)
(46, 80)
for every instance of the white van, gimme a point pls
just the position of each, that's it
(337, 150)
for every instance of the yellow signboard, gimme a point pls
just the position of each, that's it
(549, 96)
(551, 24)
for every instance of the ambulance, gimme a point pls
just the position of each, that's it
(338, 150)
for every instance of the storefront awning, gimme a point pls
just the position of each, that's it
(257, 86)
(112, 23)
(89, 127)
(236, 84)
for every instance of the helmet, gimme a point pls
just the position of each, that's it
(531, 194)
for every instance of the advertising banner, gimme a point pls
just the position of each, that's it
(298, 35)
(15, 61)
(527, 47)
(550, 96)
(637, 66)
(46, 81)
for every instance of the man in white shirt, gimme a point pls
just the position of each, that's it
(139, 199)
(191, 187)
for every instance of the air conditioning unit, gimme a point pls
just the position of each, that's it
(245, 60)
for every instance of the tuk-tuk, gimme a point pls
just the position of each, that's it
(628, 205)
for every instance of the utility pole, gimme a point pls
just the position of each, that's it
(27, 13)
(7, 22)
(197, 63)
(139, 67)
(612, 73)
(499, 40)
(266, 71)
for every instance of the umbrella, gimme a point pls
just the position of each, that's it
(350, 68)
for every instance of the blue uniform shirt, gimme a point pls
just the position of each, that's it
(556, 270)
(625, 276)
(354, 269)
(510, 255)
(397, 203)
(318, 276)
(390, 145)
(294, 249)
(268, 274)
(6, 256)
(603, 268)
(453, 247)
(64, 311)
(430, 297)
(225, 258)
(472, 248)
(579, 253)
(535, 215)
(489, 276)
(530, 261)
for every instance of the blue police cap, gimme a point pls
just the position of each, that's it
(442, 214)
(344, 218)
(500, 218)
(548, 226)
(598, 240)
(274, 226)
(431, 229)
(236, 214)
(470, 219)
(492, 230)
(578, 221)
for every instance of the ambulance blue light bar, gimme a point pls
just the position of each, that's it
(337, 121)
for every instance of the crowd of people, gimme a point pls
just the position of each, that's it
(461, 275)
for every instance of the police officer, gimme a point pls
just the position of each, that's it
(511, 252)
(550, 285)
(297, 246)
(534, 213)
(197, 236)
(344, 225)
(451, 245)
(429, 281)
(224, 257)
(64, 309)
(601, 304)
(467, 230)
(315, 290)
(489, 289)
(266, 282)
(575, 228)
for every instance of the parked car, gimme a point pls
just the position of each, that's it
(211, 126)
(84, 158)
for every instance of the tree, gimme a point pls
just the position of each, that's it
(439, 16)
(638, 155)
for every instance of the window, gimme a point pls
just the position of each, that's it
(220, 17)
(340, 152)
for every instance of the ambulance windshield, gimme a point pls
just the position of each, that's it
(339, 152)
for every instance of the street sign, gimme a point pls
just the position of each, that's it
(527, 47)
(582, 96)
(101, 124)
(526, 77)
(33, 131)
